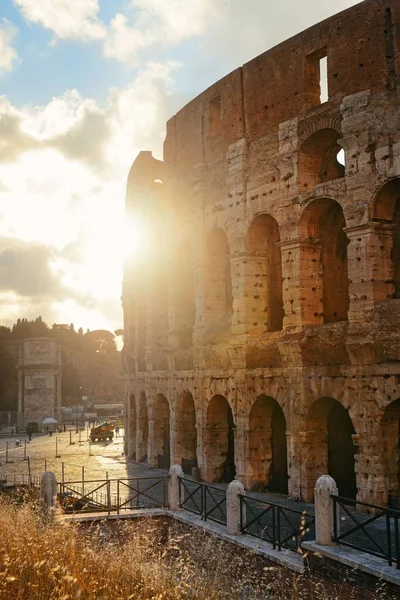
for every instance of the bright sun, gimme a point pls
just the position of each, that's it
(108, 242)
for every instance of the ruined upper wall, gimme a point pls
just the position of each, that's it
(362, 48)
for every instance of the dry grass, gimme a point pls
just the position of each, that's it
(44, 559)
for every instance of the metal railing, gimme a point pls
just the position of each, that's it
(18, 479)
(355, 530)
(108, 495)
(280, 525)
(202, 499)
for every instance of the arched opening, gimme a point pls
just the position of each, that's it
(387, 211)
(184, 296)
(132, 427)
(264, 275)
(219, 441)
(390, 431)
(159, 317)
(218, 281)
(140, 334)
(331, 449)
(185, 433)
(142, 430)
(161, 431)
(317, 162)
(267, 446)
(324, 262)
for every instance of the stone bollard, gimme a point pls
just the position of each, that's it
(48, 486)
(173, 487)
(324, 521)
(233, 507)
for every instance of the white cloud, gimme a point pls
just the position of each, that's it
(74, 19)
(157, 24)
(63, 170)
(8, 56)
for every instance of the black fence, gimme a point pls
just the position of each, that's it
(280, 525)
(203, 499)
(376, 534)
(113, 495)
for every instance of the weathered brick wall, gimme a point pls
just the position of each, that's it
(289, 294)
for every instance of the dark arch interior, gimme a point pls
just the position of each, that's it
(221, 440)
(387, 210)
(263, 240)
(323, 222)
(341, 450)
(318, 161)
(143, 428)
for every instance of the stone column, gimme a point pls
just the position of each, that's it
(240, 446)
(173, 487)
(302, 283)
(370, 267)
(233, 507)
(324, 507)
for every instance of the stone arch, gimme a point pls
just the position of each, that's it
(386, 210)
(218, 298)
(263, 276)
(185, 308)
(324, 270)
(219, 441)
(185, 432)
(132, 424)
(390, 448)
(317, 159)
(267, 446)
(142, 435)
(161, 431)
(329, 447)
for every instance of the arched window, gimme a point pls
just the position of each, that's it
(218, 281)
(387, 210)
(317, 162)
(184, 296)
(264, 311)
(324, 262)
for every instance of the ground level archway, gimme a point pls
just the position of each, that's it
(267, 446)
(219, 441)
(142, 433)
(329, 447)
(185, 432)
(161, 432)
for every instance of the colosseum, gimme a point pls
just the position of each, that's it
(262, 336)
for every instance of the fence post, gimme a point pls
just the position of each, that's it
(173, 486)
(324, 510)
(233, 508)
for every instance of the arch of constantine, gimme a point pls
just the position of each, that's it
(262, 318)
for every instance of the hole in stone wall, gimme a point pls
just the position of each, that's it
(323, 79)
(215, 116)
(317, 77)
(318, 162)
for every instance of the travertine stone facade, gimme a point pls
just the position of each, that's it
(262, 321)
(39, 381)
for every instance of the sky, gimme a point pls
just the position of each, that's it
(84, 86)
